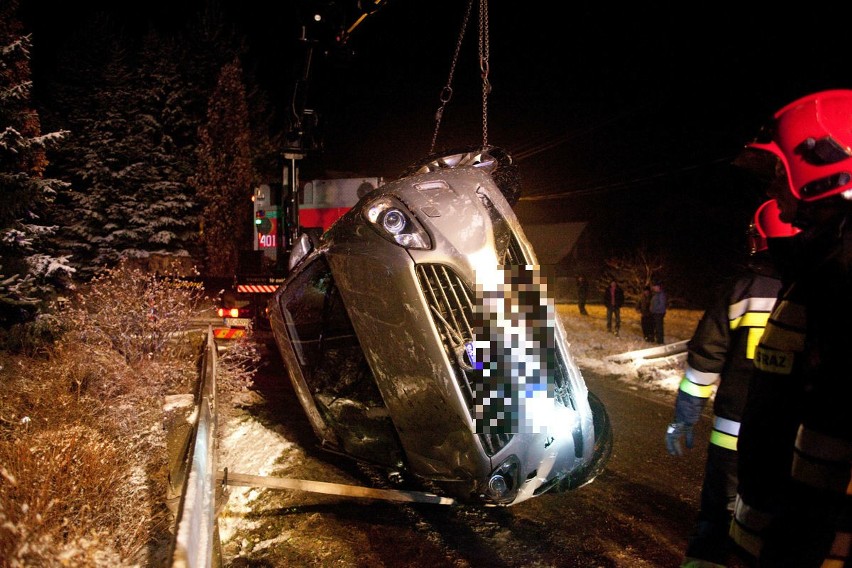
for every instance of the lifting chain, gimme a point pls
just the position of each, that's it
(447, 91)
(483, 66)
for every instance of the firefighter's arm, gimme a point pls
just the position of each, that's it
(707, 353)
(692, 396)
(710, 345)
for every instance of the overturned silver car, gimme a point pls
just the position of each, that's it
(419, 336)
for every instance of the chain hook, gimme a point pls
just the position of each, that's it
(484, 68)
(447, 91)
(446, 94)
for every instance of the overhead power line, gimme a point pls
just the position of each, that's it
(624, 184)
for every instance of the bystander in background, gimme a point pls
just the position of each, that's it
(646, 320)
(613, 299)
(582, 294)
(659, 304)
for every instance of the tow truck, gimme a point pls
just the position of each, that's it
(278, 220)
(285, 210)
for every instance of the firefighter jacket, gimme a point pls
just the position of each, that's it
(795, 447)
(721, 351)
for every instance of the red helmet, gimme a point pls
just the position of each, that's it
(812, 136)
(767, 224)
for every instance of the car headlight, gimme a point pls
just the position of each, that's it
(503, 482)
(395, 222)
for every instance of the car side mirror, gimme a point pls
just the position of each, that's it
(301, 249)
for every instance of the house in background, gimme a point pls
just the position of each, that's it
(559, 244)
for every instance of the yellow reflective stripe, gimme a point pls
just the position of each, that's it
(723, 440)
(754, 335)
(755, 304)
(751, 319)
(698, 391)
(751, 313)
(755, 319)
(832, 563)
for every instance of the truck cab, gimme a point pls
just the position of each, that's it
(263, 268)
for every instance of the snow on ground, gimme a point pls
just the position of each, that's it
(248, 447)
(591, 345)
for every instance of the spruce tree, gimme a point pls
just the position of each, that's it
(132, 151)
(93, 86)
(31, 273)
(225, 174)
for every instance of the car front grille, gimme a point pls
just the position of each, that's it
(452, 306)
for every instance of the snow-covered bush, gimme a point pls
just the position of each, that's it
(135, 313)
(83, 453)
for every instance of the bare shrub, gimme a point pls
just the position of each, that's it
(135, 313)
(34, 396)
(83, 459)
(82, 479)
(92, 369)
(237, 365)
(633, 270)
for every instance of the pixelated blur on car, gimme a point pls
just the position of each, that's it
(419, 336)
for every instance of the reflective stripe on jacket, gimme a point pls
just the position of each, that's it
(765, 455)
(720, 353)
(795, 445)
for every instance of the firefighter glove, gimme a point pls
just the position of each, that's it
(674, 432)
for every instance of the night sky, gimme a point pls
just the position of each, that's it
(598, 96)
(631, 114)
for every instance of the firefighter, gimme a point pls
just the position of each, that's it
(795, 446)
(720, 356)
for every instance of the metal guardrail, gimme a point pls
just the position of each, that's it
(192, 473)
(196, 486)
(660, 353)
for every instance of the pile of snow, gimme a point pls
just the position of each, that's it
(596, 350)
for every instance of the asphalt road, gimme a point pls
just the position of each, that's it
(637, 514)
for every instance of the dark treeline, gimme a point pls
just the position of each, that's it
(123, 142)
